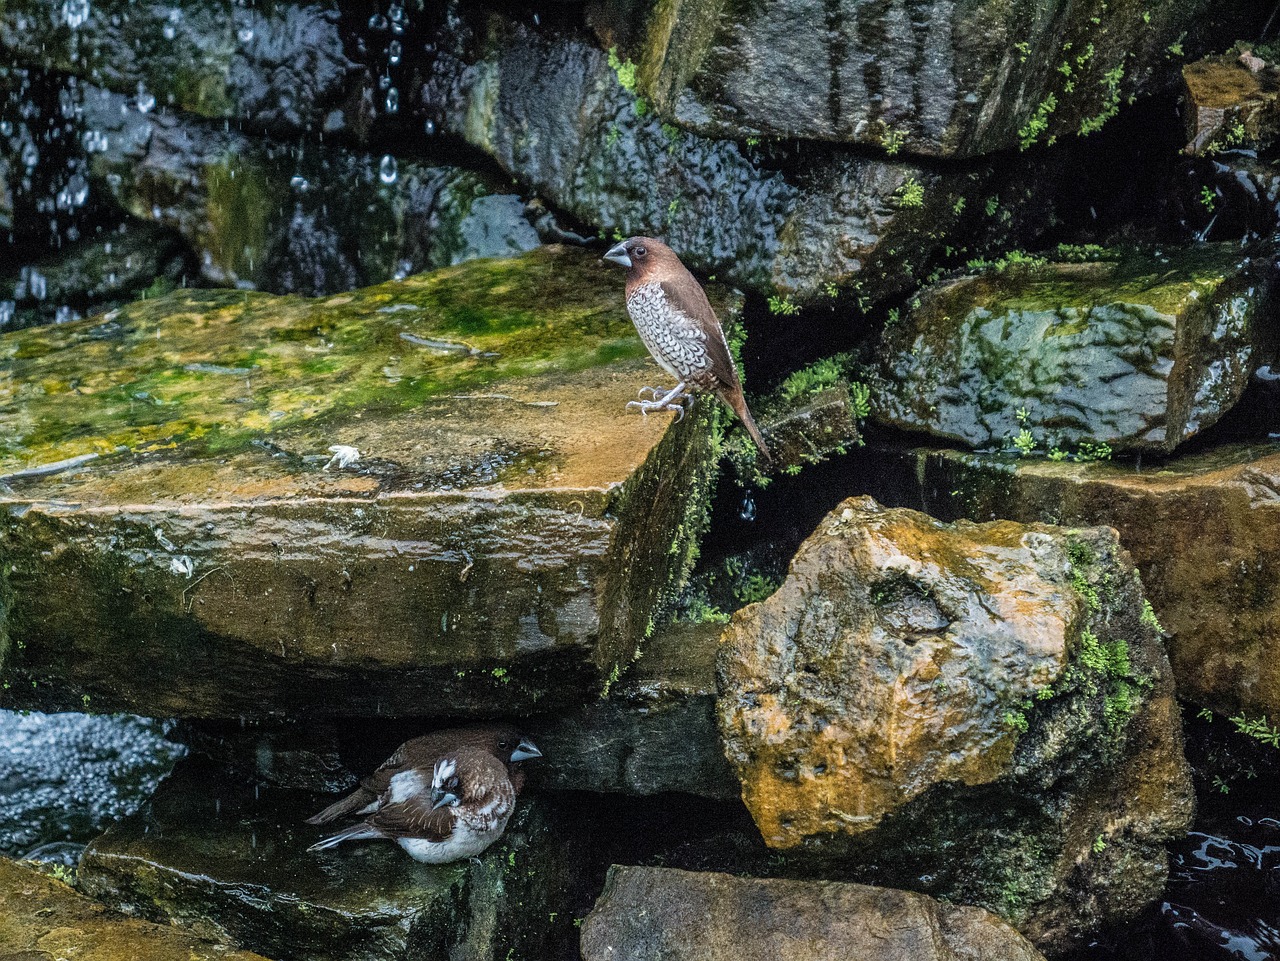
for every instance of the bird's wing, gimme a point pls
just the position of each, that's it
(413, 818)
(687, 296)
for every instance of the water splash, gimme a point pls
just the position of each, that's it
(387, 169)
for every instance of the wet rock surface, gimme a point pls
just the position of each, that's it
(1230, 100)
(651, 913)
(67, 776)
(992, 691)
(231, 863)
(933, 78)
(42, 918)
(1199, 529)
(503, 540)
(1142, 353)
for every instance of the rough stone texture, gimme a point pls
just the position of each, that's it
(553, 113)
(1142, 353)
(647, 914)
(943, 78)
(1203, 531)
(41, 918)
(229, 861)
(981, 712)
(179, 540)
(281, 68)
(1225, 104)
(308, 219)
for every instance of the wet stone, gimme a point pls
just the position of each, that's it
(1226, 104)
(227, 860)
(1139, 353)
(646, 914)
(42, 918)
(980, 712)
(421, 499)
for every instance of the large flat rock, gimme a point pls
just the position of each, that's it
(178, 542)
(41, 918)
(228, 860)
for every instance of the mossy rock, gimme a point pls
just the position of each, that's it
(179, 540)
(1139, 353)
(228, 860)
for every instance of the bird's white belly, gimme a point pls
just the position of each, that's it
(464, 842)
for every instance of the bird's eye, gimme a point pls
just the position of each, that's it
(639, 251)
(452, 783)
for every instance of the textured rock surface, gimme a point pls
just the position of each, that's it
(941, 78)
(646, 914)
(229, 861)
(1225, 104)
(41, 918)
(1203, 530)
(1142, 353)
(553, 113)
(981, 712)
(181, 541)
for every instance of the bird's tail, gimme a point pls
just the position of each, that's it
(353, 803)
(357, 832)
(739, 405)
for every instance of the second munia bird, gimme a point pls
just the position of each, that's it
(675, 320)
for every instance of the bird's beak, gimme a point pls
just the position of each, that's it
(440, 798)
(526, 750)
(618, 254)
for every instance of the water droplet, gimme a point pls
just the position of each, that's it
(377, 22)
(7, 309)
(384, 82)
(245, 34)
(387, 169)
(6, 128)
(75, 13)
(30, 155)
(396, 13)
(145, 100)
(393, 100)
(169, 31)
(394, 51)
(748, 509)
(299, 183)
(95, 141)
(429, 128)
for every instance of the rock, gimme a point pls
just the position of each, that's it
(931, 78)
(1142, 353)
(279, 69)
(94, 275)
(648, 913)
(554, 113)
(655, 732)
(67, 776)
(310, 219)
(1202, 530)
(423, 499)
(980, 712)
(1226, 104)
(42, 918)
(228, 860)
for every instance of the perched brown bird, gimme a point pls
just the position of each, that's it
(676, 322)
(453, 810)
(501, 740)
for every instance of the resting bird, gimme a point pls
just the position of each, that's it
(456, 811)
(675, 320)
(501, 740)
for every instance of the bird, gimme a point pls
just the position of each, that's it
(675, 320)
(503, 741)
(456, 811)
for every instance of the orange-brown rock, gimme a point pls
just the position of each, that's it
(1228, 102)
(660, 913)
(982, 712)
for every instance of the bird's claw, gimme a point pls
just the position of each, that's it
(646, 406)
(652, 390)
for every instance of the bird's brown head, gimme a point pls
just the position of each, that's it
(465, 775)
(645, 257)
(503, 741)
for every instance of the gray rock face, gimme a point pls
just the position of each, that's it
(981, 712)
(1140, 354)
(943, 78)
(660, 914)
(554, 113)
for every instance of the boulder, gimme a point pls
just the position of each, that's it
(933, 78)
(42, 918)
(1230, 100)
(554, 113)
(980, 712)
(228, 860)
(646, 914)
(311, 219)
(423, 499)
(1140, 353)
(1203, 530)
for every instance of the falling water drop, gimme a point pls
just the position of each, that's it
(387, 169)
(299, 183)
(394, 51)
(429, 128)
(377, 22)
(245, 34)
(169, 31)
(145, 100)
(748, 509)
(30, 155)
(6, 128)
(393, 100)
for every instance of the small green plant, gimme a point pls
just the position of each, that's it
(783, 306)
(861, 399)
(1208, 198)
(61, 872)
(911, 193)
(753, 141)
(500, 674)
(626, 73)
(893, 141)
(1016, 720)
(755, 588)
(1024, 443)
(1258, 729)
(611, 680)
(1149, 619)
(893, 317)
(1205, 714)
(992, 205)
(1099, 844)
(1038, 124)
(1110, 102)
(1175, 49)
(957, 208)
(1083, 253)
(614, 133)
(1233, 137)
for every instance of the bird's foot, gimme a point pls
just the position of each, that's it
(673, 401)
(654, 391)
